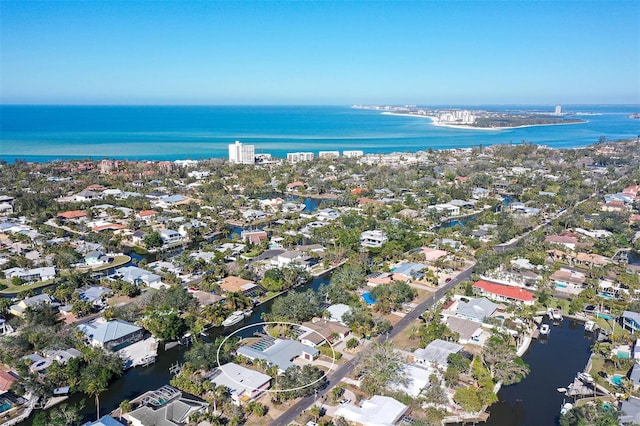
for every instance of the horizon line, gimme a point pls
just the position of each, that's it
(307, 105)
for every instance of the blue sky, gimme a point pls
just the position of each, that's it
(317, 52)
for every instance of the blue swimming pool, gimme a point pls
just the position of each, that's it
(368, 299)
(617, 380)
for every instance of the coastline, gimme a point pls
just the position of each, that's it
(434, 121)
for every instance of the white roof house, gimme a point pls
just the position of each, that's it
(417, 380)
(135, 275)
(438, 351)
(112, 335)
(243, 383)
(34, 274)
(374, 239)
(377, 411)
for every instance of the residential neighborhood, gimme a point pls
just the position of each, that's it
(376, 289)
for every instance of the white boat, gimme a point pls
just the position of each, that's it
(234, 318)
(566, 408)
(562, 390)
(589, 326)
(585, 377)
(248, 312)
(554, 314)
(545, 329)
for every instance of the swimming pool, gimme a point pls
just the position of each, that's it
(617, 380)
(605, 316)
(368, 298)
(560, 285)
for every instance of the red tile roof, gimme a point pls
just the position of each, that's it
(72, 214)
(145, 213)
(511, 292)
(6, 379)
(108, 226)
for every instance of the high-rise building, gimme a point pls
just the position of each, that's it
(558, 110)
(240, 153)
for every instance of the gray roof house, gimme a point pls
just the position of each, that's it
(113, 335)
(166, 406)
(476, 309)
(630, 411)
(278, 352)
(135, 275)
(437, 351)
(243, 383)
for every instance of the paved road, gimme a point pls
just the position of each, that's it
(347, 368)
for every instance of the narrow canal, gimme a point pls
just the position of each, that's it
(554, 362)
(141, 379)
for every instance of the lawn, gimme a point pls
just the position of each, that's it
(11, 289)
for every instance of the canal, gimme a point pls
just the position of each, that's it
(554, 362)
(141, 379)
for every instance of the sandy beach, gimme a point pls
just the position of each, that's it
(434, 121)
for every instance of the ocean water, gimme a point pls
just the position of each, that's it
(45, 133)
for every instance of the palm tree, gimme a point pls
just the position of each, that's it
(316, 412)
(95, 388)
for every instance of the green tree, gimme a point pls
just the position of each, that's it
(380, 367)
(153, 240)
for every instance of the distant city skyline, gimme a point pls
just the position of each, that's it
(322, 53)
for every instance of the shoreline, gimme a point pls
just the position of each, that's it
(434, 121)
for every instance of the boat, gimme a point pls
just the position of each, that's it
(248, 312)
(566, 408)
(544, 329)
(562, 390)
(590, 326)
(554, 314)
(234, 318)
(585, 377)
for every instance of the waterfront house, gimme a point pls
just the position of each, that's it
(137, 276)
(233, 284)
(327, 214)
(40, 364)
(631, 321)
(254, 237)
(30, 303)
(166, 406)
(111, 335)
(279, 352)
(104, 421)
(437, 351)
(476, 309)
(244, 384)
(373, 239)
(568, 280)
(169, 236)
(31, 275)
(470, 332)
(95, 258)
(505, 293)
(376, 411)
(418, 378)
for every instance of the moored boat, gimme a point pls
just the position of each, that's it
(545, 329)
(234, 318)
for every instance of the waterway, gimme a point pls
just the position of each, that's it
(554, 362)
(141, 379)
